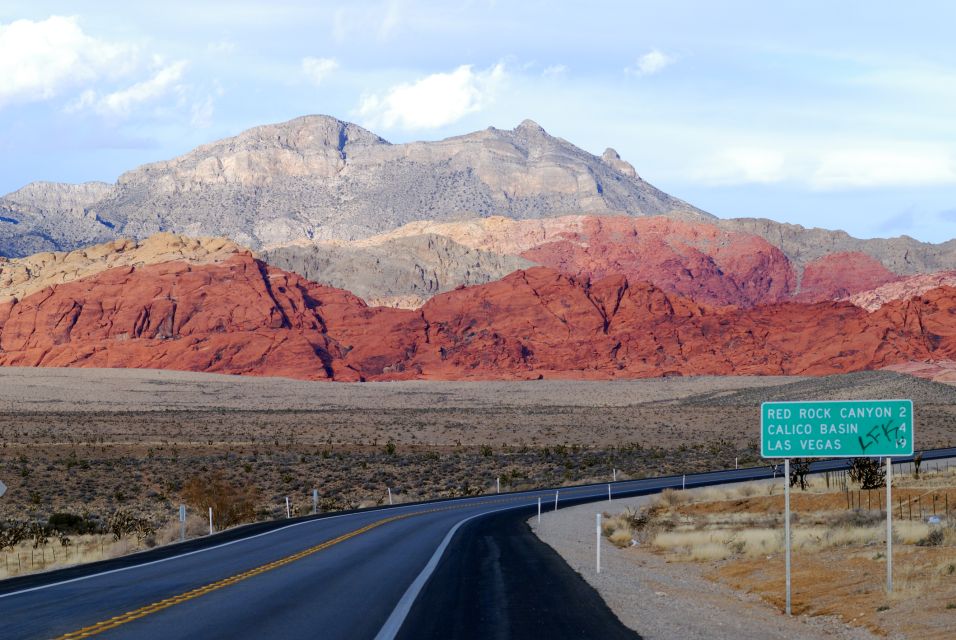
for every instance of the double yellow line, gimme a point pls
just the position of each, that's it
(142, 612)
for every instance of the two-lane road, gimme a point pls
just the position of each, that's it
(464, 568)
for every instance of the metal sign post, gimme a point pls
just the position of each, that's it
(889, 525)
(786, 522)
(598, 543)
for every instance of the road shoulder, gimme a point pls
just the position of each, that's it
(661, 600)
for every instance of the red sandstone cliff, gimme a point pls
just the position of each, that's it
(242, 316)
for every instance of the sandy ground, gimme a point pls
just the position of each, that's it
(26, 388)
(672, 601)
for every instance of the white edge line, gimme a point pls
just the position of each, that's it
(227, 544)
(246, 538)
(179, 555)
(397, 618)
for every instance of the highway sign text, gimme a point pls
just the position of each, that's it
(836, 429)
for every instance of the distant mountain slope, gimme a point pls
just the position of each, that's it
(902, 255)
(318, 177)
(713, 262)
(401, 272)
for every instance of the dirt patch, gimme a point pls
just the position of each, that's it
(734, 536)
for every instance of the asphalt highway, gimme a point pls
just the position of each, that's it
(464, 568)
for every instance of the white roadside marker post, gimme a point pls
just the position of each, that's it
(786, 523)
(556, 500)
(389, 496)
(614, 475)
(598, 519)
(182, 522)
(210, 520)
(539, 509)
(288, 509)
(735, 464)
(608, 492)
(497, 485)
(683, 483)
(889, 525)
(315, 501)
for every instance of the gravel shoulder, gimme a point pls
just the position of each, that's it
(664, 600)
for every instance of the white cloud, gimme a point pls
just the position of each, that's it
(121, 103)
(41, 59)
(200, 114)
(391, 19)
(318, 69)
(862, 168)
(743, 165)
(554, 71)
(650, 63)
(222, 47)
(434, 101)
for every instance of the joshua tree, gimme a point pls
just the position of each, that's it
(868, 472)
(799, 468)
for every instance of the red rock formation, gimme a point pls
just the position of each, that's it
(241, 316)
(903, 289)
(693, 259)
(840, 275)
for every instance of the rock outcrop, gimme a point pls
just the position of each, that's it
(840, 275)
(903, 289)
(22, 276)
(401, 272)
(243, 316)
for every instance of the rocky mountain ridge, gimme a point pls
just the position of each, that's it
(243, 316)
(320, 178)
(706, 260)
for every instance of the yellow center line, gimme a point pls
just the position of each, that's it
(136, 614)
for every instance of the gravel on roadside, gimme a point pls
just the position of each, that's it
(672, 600)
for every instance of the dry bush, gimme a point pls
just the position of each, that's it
(231, 504)
(672, 498)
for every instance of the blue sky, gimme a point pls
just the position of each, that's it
(828, 114)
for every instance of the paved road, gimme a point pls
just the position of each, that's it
(456, 568)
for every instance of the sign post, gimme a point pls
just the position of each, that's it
(182, 522)
(837, 429)
(786, 522)
(889, 524)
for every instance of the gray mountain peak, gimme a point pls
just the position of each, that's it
(321, 178)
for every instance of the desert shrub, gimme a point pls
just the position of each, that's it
(869, 473)
(231, 504)
(799, 468)
(934, 539)
(71, 523)
(856, 518)
(673, 498)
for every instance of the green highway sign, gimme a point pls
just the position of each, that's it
(836, 429)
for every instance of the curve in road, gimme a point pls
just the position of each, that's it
(457, 568)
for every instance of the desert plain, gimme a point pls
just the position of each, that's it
(95, 441)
